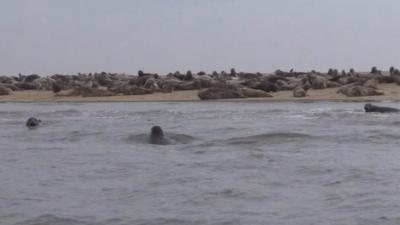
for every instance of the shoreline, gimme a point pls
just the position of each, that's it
(391, 93)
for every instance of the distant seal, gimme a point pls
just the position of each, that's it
(157, 136)
(32, 122)
(56, 88)
(373, 108)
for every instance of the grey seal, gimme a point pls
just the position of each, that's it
(157, 136)
(32, 122)
(379, 109)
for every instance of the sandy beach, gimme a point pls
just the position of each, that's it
(391, 93)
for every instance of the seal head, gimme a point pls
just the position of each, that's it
(373, 108)
(157, 136)
(32, 122)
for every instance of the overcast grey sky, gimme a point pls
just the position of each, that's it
(70, 36)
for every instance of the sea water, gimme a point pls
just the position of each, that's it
(244, 163)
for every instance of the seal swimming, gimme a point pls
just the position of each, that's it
(32, 122)
(373, 108)
(157, 136)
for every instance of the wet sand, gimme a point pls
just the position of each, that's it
(391, 91)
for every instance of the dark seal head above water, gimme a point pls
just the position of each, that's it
(157, 136)
(373, 108)
(32, 122)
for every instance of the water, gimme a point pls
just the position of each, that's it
(245, 163)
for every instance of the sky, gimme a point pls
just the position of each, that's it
(124, 36)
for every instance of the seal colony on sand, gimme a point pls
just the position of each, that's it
(32, 122)
(379, 109)
(209, 86)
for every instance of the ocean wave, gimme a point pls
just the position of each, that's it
(385, 137)
(12, 114)
(269, 137)
(173, 137)
(168, 221)
(58, 113)
(49, 219)
(338, 114)
(278, 111)
(74, 136)
(395, 123)
(375, 136)
(147, 112)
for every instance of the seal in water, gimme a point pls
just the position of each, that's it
(373, 108)
(33, 122)
(157, 136)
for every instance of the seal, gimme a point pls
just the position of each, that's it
(32, 122)
(157, 136)
(373, 108)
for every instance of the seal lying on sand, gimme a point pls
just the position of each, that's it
(32, 122)
(157, 136)
(373, 108)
